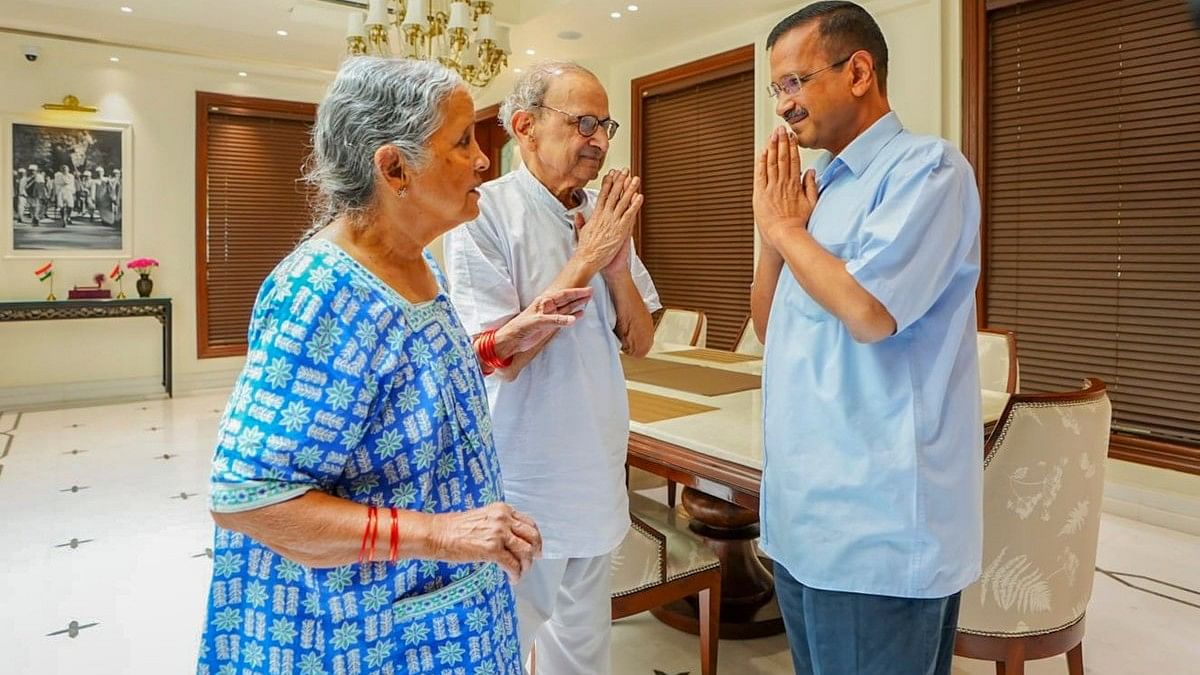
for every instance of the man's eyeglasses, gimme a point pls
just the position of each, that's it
(791, 83)
(589, 124)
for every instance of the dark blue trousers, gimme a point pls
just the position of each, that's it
(836, 633)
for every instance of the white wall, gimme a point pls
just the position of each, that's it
(46, 361)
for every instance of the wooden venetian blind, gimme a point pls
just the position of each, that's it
(1094, 209)
(255, 207)
(697, 236)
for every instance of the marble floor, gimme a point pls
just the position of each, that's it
(105, 561)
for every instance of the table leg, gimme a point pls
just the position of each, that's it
(748, 606)
(168, 376)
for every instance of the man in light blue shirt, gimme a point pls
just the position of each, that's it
(864, 297)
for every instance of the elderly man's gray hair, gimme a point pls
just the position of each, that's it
(529, 91)
(373, 102)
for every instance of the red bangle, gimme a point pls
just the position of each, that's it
(374, 532)
(394, 546)
(477, 345)
(367, 551)
(487, 351)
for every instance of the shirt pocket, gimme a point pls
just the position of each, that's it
(800, 301)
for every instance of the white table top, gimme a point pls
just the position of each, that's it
(734, 432)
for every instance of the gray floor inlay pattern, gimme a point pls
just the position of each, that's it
(74, 543)
(1140, 582)
(72, 629)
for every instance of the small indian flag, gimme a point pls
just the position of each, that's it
(45, 271)
(116, 273)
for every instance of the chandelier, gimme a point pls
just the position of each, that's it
(462, 36)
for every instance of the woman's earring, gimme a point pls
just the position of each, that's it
(402, 192)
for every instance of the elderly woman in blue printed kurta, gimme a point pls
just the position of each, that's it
(361, 390)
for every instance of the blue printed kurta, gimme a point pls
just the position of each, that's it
(352, 390)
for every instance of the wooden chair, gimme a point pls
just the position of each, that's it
(1043, 483)
(748, 341)
(998, 369)
(677, 326)
(660, 561)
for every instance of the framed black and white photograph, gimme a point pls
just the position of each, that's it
(68, 189)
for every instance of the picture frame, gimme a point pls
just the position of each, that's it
(66, 189)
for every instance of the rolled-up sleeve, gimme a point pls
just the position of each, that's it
(645, 285)
(920, 234)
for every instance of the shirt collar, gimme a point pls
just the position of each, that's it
(540, 192)
(858, 155)
(863, 149)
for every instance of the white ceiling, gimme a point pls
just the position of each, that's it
(244, 30)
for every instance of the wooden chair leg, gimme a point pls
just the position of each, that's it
(671, 493)
(533, 660)
(710, 627)
(1014, 660)
(1075, 660)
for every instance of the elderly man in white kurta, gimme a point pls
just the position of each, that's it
(561, 417)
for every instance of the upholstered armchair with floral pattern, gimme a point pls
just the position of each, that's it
(998, 370)
(748, 343)
(1043, 488)
(680, 327)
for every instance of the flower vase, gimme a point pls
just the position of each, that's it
(144, 284)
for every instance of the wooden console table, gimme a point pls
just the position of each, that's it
(45, 310)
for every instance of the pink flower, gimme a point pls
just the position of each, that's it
(141, 264)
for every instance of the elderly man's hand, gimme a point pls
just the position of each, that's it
(784, 195)
(495, 533)
(547, 313)
(606, 234)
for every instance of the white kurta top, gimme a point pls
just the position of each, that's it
(562, 428)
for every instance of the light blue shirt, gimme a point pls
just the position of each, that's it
(873, 475)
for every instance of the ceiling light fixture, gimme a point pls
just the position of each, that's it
(241, 73)
(127, 10)
(632, 8)
(114, 59)
(463, 36)
(615, 15)
(281, 33)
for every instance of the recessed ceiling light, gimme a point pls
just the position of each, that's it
(632, 8)
(114, 59)
(281, 33)
(615, 15)
(531, 52)
(127, 10)
(241, 73)
(518, 70)
(570, 35)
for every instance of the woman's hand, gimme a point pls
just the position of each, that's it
(495, 533)
(547, 313)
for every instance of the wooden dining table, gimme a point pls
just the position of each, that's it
(683, 427)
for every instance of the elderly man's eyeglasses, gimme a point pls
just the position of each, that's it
(589, 124)
(791, 83)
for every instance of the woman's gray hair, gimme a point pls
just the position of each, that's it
(372, 102)
(530, 89)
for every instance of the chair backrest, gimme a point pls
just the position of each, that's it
(998, 369)
(748, 342)
(1043, 483)
(680, 327)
